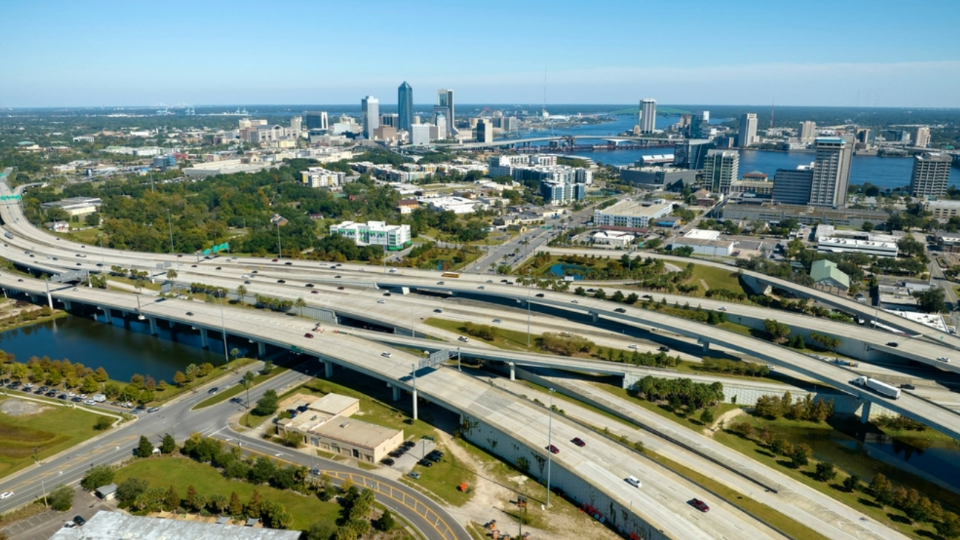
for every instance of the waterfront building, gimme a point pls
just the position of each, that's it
(370, 112)
(405, 106)
(657, 177)
(484, 131)
(792, 186)
(931, 174)
(691, 153)
(831, 172)
(807, 132)
(921, 136)
(648, 116)
(317, 120)
(699, 125)
(748, 130)
(390, 120)
(375, 233)
(721, 168)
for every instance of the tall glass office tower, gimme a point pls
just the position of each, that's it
(405, 106)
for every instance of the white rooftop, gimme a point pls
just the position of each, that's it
(701, 234)
(114, 526)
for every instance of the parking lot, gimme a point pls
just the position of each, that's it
(42, 526)
(405, 463)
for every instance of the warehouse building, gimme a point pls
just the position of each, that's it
(116, 525)
(76, 206)
(704, 242)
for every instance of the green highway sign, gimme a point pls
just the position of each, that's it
(10, 198)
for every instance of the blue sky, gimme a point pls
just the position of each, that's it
(133, 52)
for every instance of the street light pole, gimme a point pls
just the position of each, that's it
(549, 445)
(279, 247)
(528, 308)
(223, 332)
(103, 260)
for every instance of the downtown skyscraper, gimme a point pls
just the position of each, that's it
(445, 107)
(370, 112)
(648, 115)
(831, 172)
(405, 106)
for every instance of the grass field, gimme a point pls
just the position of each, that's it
(505, 339)
(238, 389)
(50, 431)
(443, 478)
(716, 278)
(182, 473)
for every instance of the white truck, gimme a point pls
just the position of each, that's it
(98, 398)
(879, 387)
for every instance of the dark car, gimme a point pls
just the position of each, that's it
(408, 444)
(309, 285)
(387, 294)
(340, 288)
(79, 520)
(553, 449)
(314, 292)
(308, 335)
(663, 348)
(433, 457)
(908, 386)
(387, 461)
(189, 314)
(213, 390)
(699, 505)
(620, 310)
(336, 277)
(219, 268)
(62, 396)
(539, 295)
(153, 409)
(426, 463)
(395, 453)
(579, 442)
(281, 281)
(893, 344)
(246, 282)
(274, 260)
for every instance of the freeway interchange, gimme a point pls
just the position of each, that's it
(662, 501)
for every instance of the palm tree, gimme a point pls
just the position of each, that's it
(300, 304)
(171, 273)
(241, 292)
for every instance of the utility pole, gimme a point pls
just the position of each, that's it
(279, 248)
(549, 444)
(170, 226)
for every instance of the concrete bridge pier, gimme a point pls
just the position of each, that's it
(327, 368)
(68, 305)
(415, 404)
(594, 316)
(396, 392)
(865, 412)
(261, 349)
(706, 346)
(153, 325)
(33, 297)
(106, 315)
(513, 371)
(204, 340)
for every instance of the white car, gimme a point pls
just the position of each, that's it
(633, 481)
(386, 354)
(944, 359)
(632, 346)
(722, 308)
(6, 495)
(575, 301)
(463, 339)
(381, 301)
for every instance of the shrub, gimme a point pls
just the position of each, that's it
(825, 472)
(98, 476)
(61, 499)
(851, 483)
(103, 423)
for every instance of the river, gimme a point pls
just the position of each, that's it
(885, 172)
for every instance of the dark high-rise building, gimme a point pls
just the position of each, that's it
(445, 106)
(405, 106)
(316, 120)
(691, 153)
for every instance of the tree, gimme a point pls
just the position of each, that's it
(190, 502)
(255, 505)
(949, 527)
(600, 294)
(580, 291)
(241, 293)
(800, 456)
(61, 499)
(300, 303)
(169, 445)
(777, 330)
(144, 448)
(267, 404)
(932, 300)
(217, 503)
(825, 472)
(103, 423)
(706, 417)
(97, 476)
(235, 507)
(171, 274)
(386, 521)
(851, 483)
(321, 530)
(179, 378)
(882, 489)
(172, 500)
(130, 489)
(267, 367)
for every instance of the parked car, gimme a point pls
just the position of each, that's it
(79, 520)
(387, 461)
(414, 475)
(425, 462)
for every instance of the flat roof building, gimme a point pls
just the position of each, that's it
(931, 174)
(721, 169)
(831, 172)
(327, 424)
(792, 186)
(116, 525)
(658, 177)
(631, 215)
(375, 233)
(76, 206)
(832, 244)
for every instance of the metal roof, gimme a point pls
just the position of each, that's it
(117, 526)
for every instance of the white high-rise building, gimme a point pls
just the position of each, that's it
(720, 169)
(807, 132)
(375, 233)
(648, 115)
(748, 130)
(831, 172)
(295, 126)
(921, 136)
(440, 120)
(931, 174)
(420, 134)
(370, 111)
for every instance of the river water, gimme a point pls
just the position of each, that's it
(885, 172)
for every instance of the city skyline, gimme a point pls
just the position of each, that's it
(102, 53)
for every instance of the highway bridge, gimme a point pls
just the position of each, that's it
(613, 140)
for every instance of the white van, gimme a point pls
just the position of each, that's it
(633, 481)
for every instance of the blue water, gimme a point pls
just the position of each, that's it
(937, 461)
(562, 269)
(879, 171)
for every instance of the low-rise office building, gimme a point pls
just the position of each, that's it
(704, 242)
(613, 239)
(631, 215)
(327, 424)
(318, 177)
(658, 177)
(76, 206)
(833, 244)
(942, 210)
(116, 525)
(375, 233)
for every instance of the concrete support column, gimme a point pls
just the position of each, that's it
(261, 349)
(706, 346)
(153, 325)
(49, 300)
(396, 393)
(107, 316)
(328, 369)
(594, 316)
(513, 371)
(33, 298)
(414, 404)
(865, 412)
(204, 342)
(68, 305)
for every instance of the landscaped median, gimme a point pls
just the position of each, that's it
(233, 391)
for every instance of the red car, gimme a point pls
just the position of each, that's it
(553, 449)
(340, 288)
(274, 260)
(308, 335)
(579, 442)
(314, 292)
(700, 505)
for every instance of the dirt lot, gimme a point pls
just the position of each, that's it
(19, 407)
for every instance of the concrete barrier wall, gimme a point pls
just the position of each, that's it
(621, 516)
